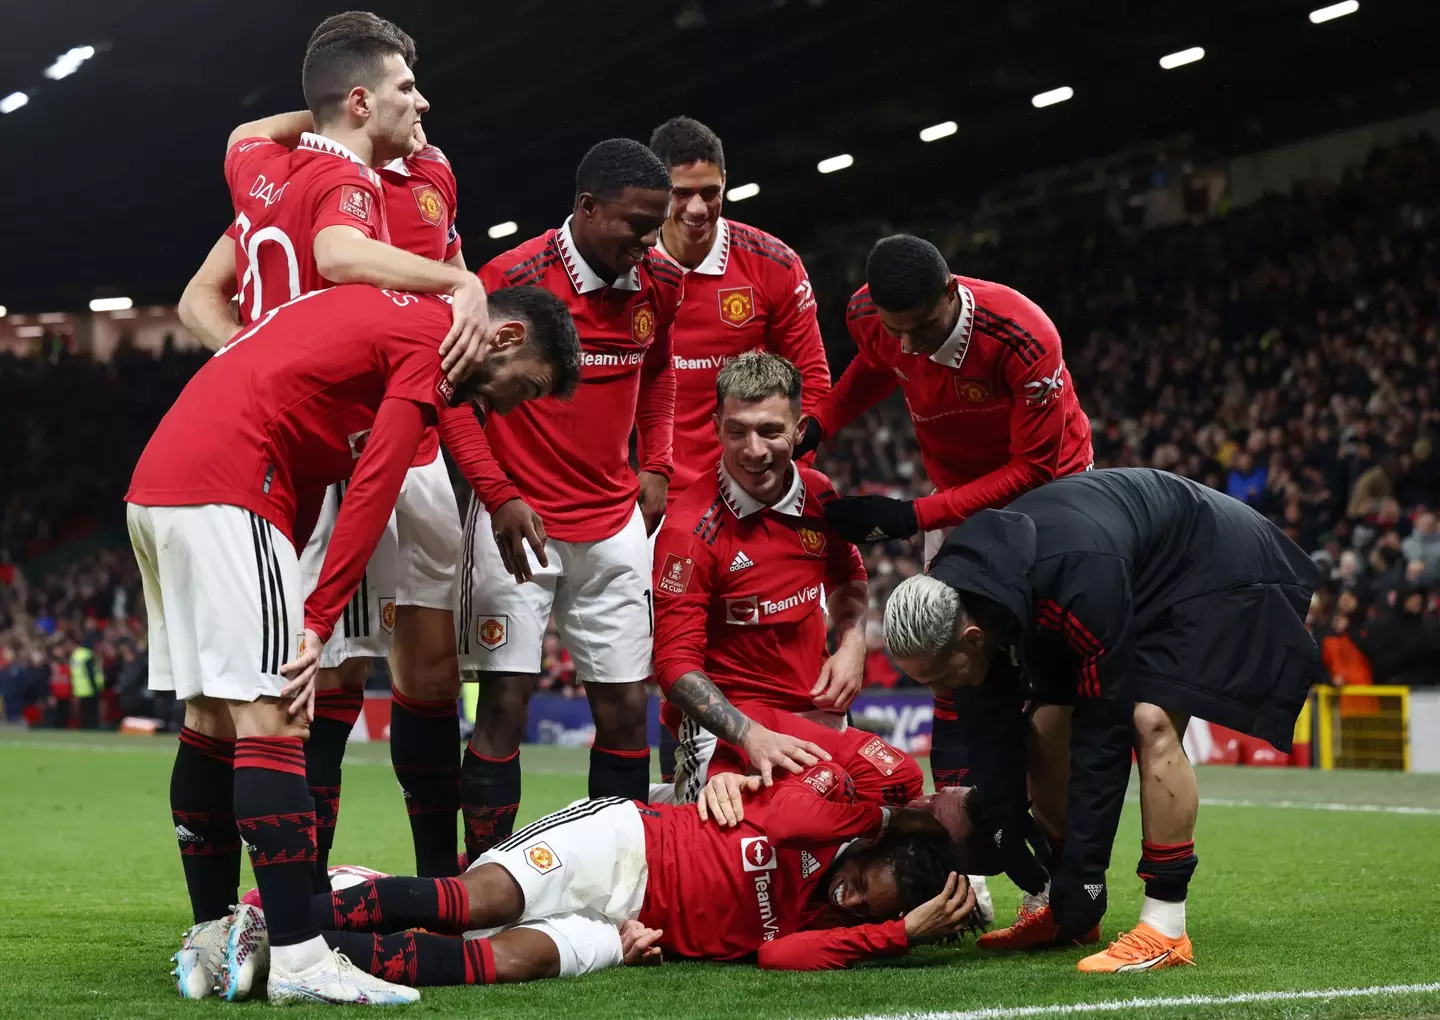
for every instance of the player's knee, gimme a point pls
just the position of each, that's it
(435, 676)
(495, 897)
(1154, 730)
(268, 717)
(210, 717)
(500, 713)
(620, 714)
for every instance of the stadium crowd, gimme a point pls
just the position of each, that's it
(1287, 353)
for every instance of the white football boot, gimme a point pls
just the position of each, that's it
(246, 963)
(197, 964)
(336, 981)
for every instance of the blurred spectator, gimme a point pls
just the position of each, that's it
(1423, 546)
(1402, 644)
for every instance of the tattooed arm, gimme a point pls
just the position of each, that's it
(696, 695)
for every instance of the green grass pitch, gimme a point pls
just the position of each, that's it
(1288, 898)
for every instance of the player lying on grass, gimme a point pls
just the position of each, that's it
(337, 384)
(810, 879)
(1118, 603)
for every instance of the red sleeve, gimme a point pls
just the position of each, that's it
(684, 576)
(795, 333)
(655, 410)
(350, 197)
(452, 201)
(728, 757)
(365, 511)
(817, 809)
(865, 382)
(1037, 431)
(465, 438)
(242, 155)
(834, 948)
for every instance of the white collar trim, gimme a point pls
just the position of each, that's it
(582, 277)
(742, 504)
(319, 143)
(714, 263)
(952, 351)
(397, 166)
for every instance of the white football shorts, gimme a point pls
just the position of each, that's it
(368, 619)
(427, 531)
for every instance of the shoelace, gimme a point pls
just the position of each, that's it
(1137, 945)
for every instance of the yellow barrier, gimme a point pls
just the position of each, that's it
(1363, 727)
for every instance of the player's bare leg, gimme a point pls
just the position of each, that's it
(620, 756)
(490, 775)
(425, 732)
(1169, 803)
(339, 695)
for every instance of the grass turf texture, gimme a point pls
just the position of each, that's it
(1285, 899)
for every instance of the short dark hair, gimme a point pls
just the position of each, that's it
(615, 164)
(681, 141)
(906, 273)
(346, 50)
(551, 336)
(921, 863)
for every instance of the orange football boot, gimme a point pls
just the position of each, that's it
(1142, 948)
(1033, 929)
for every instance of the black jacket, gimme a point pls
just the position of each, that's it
(1120, 586)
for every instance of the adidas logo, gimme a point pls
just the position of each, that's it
(808, 864)
(999, 835)
(184, 835)
(1095, 890)
(877, 534)
(740, 562)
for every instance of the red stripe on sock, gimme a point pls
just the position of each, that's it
(454, 904)
(341, 705)
(479, 962)
(441, 708)
(278, 754)
(498, 761)
(211, 747)
(644, 752)
(1166, 851)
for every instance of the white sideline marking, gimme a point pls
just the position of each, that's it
(1380, 809)
(1120, 1005)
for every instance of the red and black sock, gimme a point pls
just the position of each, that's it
(425, 750)
(418, 959)
(335, 715)
(949, 762)
(489, 798)
(394, 904)
(1166, 869)
(276, 818)
(620, 773)
(202, 805)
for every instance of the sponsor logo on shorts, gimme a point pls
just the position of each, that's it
(642, 323)
(387, 615)
(880, 754)
(492, 631)
(812, 541)
(756, 854)
(737, 305)
(355, 202)
(542, 858)
(675, 577)
(821, 780)
(432, 206)
(743, 612)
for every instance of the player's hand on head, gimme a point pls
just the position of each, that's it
(301, 672)
(654, 492)
(514, 525)
(769, 751)
(944, 915)
(841, 677)
(463, 346)
(640, 945)
(723, 798)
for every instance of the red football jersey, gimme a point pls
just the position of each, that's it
(420, 214)
(750, 293)
(282, 199)
(995, 413)
(739, 588)
(723, 894)
(288, 408)
(570, 460)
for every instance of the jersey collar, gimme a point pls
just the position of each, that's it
(319, 143)
(742, 504)
(952, 351)
(717, 260)
(582, 277)
(397, 166)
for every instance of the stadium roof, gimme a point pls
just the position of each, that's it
(110, 177)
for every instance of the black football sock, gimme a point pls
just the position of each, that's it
(276, 818)
(335, 715)
(202, 805)
(620, 773)
(949, 763)
(425, 751)
(668, 744)
(394, 904)
(1166, 869)
(418, 959)
(489, 798)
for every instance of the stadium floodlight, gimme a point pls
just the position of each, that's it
(503, 229)
(1173, 60)
(1052, 97)
(937, 131)
(111, 304)
(840, 162)
(1334, 11)
(13, 102)
(69, 62)
(741, 192)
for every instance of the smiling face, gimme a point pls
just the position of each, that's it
(508, 374)
(757, 443)
(864, 890)
(696, 194)
(615, 233)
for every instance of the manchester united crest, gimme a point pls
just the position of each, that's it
(642, 323)
(974, 391)
(812, 541)
(432, 206)
(737, 305)
(491, 631)
(542, 858)
(387, 615)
